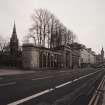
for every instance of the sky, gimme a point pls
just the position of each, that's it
(86, 18)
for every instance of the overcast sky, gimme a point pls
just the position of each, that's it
(86, 18)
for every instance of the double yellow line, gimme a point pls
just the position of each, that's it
(96, 96)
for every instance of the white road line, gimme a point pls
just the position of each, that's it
(75, 80)
(41, 78)
(48, 90)
(7, 84)
(31, 97)
(59, 86)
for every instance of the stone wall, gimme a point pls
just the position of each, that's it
(30, 57)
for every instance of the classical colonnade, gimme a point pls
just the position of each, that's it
(50, 59)
(37, 57)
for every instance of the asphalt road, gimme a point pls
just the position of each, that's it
(51, 87)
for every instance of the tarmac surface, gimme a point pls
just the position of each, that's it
(73, 87)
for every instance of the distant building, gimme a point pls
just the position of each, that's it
(76, 48)
(14, 47)
(12, 54)
(82, 56)
(100, 57)
(87, 56)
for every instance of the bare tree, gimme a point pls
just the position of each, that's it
(4, 45)
(41, 18)
(48, 31)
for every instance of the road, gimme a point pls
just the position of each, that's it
(49, 87)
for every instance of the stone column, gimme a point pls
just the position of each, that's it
(64, 59)
(42, 60)
(50, 60)
(53, 60)
(70, 59)
(46, 60)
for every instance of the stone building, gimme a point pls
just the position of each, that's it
(14, 48)
(88, 57)
(100, 57)
(12, 54)
(82, 56)
(76, 47)
(39, 57)
(73, 56)
(61, 57)
(15, 52)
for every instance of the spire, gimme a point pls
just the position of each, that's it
(14, 41)
(102, 49)
(14, 28)
(14, 34)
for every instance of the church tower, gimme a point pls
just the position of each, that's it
(14, 42)
(102, 54)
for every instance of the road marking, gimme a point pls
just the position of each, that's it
(95, 97)
(97, 100)
(7, 84)
(92, 99)
(41, 78)
(75, 80)
(31, 97)
(48, 90)
(59, 86)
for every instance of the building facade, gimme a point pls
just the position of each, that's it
(65, 57)
(100, 57)
(43, 58)
(87, 57)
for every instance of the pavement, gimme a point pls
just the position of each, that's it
(47, 87)
(13, 72)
